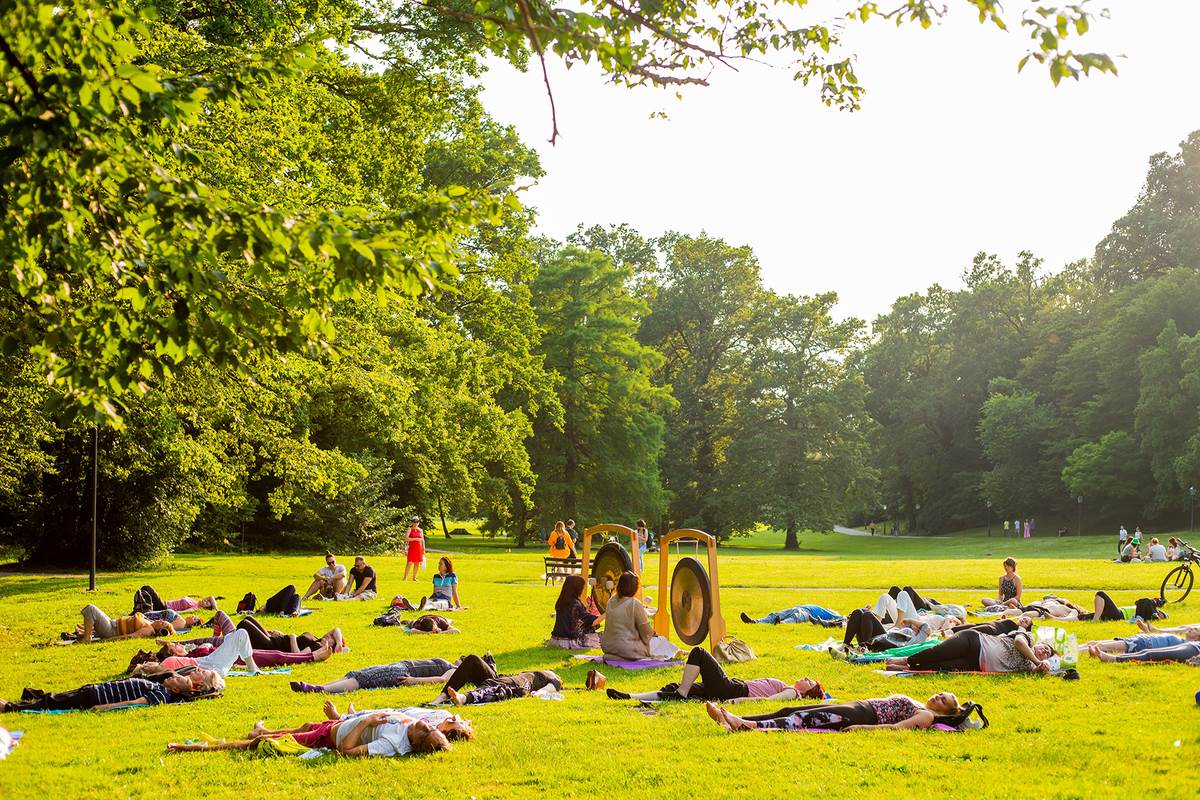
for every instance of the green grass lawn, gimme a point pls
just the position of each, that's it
(1113, 733)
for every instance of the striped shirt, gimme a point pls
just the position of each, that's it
(131, 689)
(127, 625)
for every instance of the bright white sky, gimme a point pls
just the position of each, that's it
(953, 152)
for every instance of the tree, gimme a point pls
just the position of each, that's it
(599, 461)
(801, 457)
(1014, 430)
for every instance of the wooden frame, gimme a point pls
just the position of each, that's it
(620, 530)
(662, 617)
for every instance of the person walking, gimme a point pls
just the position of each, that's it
(1122, 538)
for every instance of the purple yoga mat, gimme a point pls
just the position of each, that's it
(646, 663)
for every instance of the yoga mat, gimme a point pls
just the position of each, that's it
(75, 710)
(304, 612)
(645, 663)
(241, 673)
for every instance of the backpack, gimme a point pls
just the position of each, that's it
(141, 602)
(247, 603)
(390, 617)
(1148, 608)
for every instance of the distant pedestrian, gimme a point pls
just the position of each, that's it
(1137, 536)
(895, 528)
(1006, 527)
(1026, 529)
(1032, 526)
(1122, 537)
(574, 534)
(871, 525)
(1016, 527)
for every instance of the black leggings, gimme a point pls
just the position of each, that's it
(147, 595)
(285, 601)
(1110, 612)
(714, 684)
(822, 715)
(36, 700)
(997, 628)
(862, 625)
(921, 603)
(471, 671)
(959, 653)
(261, 640)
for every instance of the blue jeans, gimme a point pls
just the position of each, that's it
(799, 614)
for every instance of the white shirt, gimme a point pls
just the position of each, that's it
(1123, 534)
(388, 739)
(336, 571)
(1158, 552)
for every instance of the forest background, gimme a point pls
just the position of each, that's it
(269, 260)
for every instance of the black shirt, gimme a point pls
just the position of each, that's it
(574, 623)
(361, 577)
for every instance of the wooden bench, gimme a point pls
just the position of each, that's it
(558, 569)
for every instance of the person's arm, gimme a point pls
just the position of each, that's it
(1026, 650)
(786, 694)
(922, 719)
(1020, 588)
(645, 630)
(141, 701)
(409, 680)
(454, 594)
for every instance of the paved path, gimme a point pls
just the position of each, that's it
(857, 532)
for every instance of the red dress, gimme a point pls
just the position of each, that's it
(416, 545)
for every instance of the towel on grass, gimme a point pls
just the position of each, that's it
(620, 663)
(241, 673)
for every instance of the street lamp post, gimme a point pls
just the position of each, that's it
(989, 518)
(885, 519)
(1192, 508)
(917, 521)
(95, 492)
(1079, 525)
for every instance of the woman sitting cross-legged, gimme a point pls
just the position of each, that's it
(384, 676)
(714, 684)
(492, 686)
(893, 711)
(972, 651)
(121, 694)
(574, 626)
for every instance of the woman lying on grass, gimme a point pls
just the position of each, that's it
(575, 628)
(384, 676)
(370, 733)
(146, 599)
(1188, 651)
(125, 693)
(972, 651)
(998, 627)
(429, 623)
(818, 615)
(717, 685)
(870, 632)
(893, 711)
(493, 687)
(1141, 642)
(225, 654)
(97, 625)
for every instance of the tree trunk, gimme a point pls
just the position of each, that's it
(791, 542)
(442, 517)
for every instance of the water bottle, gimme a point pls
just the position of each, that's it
(1070, 652)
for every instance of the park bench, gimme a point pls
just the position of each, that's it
(559, 568)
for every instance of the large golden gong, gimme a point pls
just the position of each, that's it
(610, 562)
(691, 601)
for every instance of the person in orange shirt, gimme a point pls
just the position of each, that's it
(561, 545)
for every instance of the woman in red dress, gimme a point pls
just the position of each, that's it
(416, 548)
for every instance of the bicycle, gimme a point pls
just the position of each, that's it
(1178, 583)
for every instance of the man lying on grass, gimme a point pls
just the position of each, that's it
(893, 711)
(1185, 652)
(369, 733)
(98, 625)
(175, 688)
(1141, 642)
(714, 684)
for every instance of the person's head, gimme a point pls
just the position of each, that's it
(457, 729)
(1042, 651)
(424, 738)
(171, 649)
(1172, 541)
(1154, 540)
(178, 684)
(330, 561)
(1191, 634)
(359, 562)
(1010, 565)
(414, 520)
(162, 627)
(1025, 622)
(627, 584)
(943, 703)
(209, 603)
(807, 687)
(570, 523)
(559, 527)
(572, 588)
(641, 523)
(1137, 529)
(191, 622)
(445, 565)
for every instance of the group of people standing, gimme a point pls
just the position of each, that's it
(565, 539)
(1020, 528)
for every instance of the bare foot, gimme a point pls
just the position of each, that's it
(735, 722)
(714, 711)
(350, 708)
(330, 710)
(455, 697)
(1103, 656)
(322, 653)
(258, 730)
(3, 706)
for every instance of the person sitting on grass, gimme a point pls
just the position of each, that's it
(375, 733)
(365, 581)
(480, 671)
(796, 615)
(384, 676)
(97, 625)
(1140, 643)
(627, 630)
(575, 628)
(445, 588)
(329, 581)
(1009, 588)
(146, 599)
(895, 711)
(1188, 651)
(714, 684)
(972, 651)
(120, 694)
(429, 623)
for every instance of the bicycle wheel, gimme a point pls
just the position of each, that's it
(1178, 583)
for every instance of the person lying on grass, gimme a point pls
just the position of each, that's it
(870, 632)
(492, 686)
(1179, 630)
(429, 623)
(972, 651)
(1141, 642)
(384, 676)
(370, 733)
(224, 655)
(575, 628)
(1009, 589)
(893, 711)
(263, 639)
(796, 615)
(1050, 607)
(99, 626)
(146, 599)
(1187, 651)
(714, 684)
(174, 688)
(999, 626)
